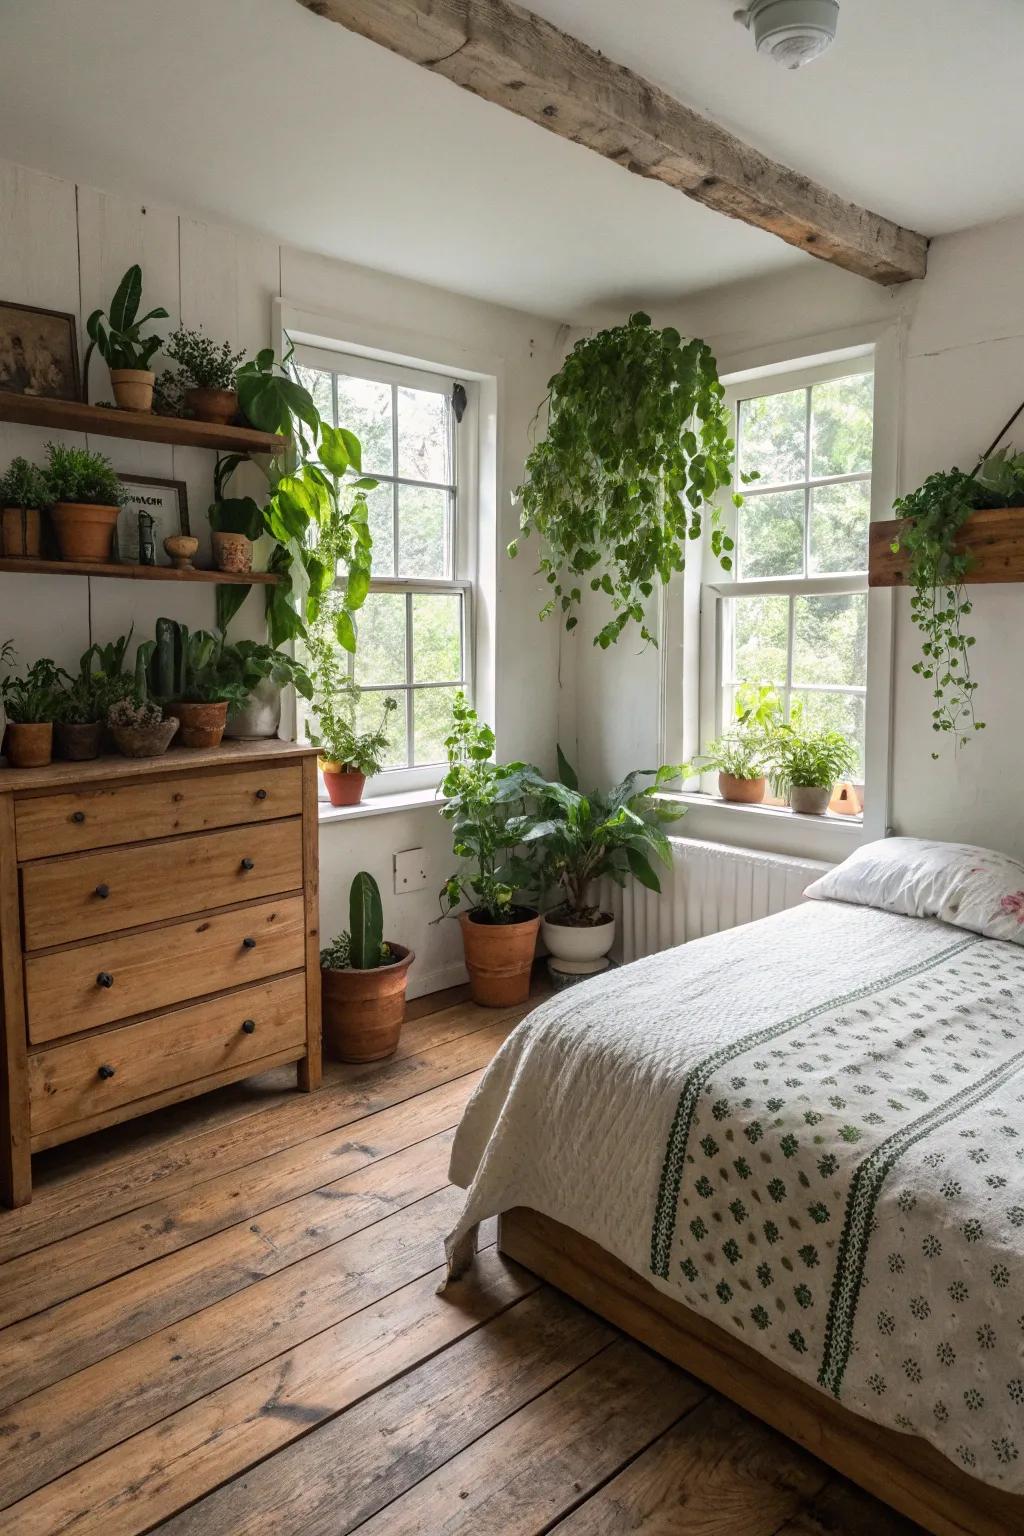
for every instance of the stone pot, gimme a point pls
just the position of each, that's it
(363, 1011)
(344, 785)
(232, 552)
(78, 743)
(742, 791)
(809, 799)
(260, 719)
(29, 745)
(179, 549)
(218, 405)
(85, 533)
(499, 957)
(582, 943)
(202, 725)
(21, 533)
(133, 388)
(144, 740)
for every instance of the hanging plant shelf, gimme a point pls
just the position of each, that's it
(994, 536)
(141, 426)
(23, 567)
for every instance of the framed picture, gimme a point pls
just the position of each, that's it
(39, 352)
(166, 502)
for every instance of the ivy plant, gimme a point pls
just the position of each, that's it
(637, 444)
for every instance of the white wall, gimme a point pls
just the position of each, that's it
(962, 374)
(65, 247)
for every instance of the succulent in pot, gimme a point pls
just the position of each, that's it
(364, 978)
(139, 727)
(122, 346)
(348, 756)
(207, 374)
(190, 674)
(24, 493)
(808, 765)
(265, 672)
(30, 704)
(86, 495)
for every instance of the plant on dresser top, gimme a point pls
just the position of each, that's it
(265, 672)
(122, 346)
(208, 372)
(86, 495)
(85, 700)
(30, 703)
(348, 756)
(24, 494)
(195, 681)
(364, 978)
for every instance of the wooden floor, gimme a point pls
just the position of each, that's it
(224, 1319)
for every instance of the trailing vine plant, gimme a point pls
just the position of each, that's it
(638, 442)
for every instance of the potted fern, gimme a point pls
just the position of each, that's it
(364, 978)
(808, 765)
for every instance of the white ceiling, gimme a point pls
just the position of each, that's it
(258, 113)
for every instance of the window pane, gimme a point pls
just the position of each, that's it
(364, 407)
(839, 526)
(380, 654)
(437, 637)
(842, 712)
(432, 717)
(424, 531)
(831, 640)
(760, 638)
(773, 436)
(370, 711)
(424, 436)
(380, 505)
(841, 421)
(318, 382)
(771, 535)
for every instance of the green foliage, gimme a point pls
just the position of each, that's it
(76, 474)
(637, 442)
(99, 683)
(192, 668)
(365, 922)
(120, 342)
(334, 702)
(34, 698)
(24, 485)
(809, 759)
(250, 662)
(203, 364)
(337, 955)
(746, 752)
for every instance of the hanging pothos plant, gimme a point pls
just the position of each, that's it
(638, 441)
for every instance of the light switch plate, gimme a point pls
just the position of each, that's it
(410, 871)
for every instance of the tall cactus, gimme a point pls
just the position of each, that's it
(366, 922)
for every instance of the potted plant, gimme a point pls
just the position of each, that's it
(235, 521)
(23, 495)
(487, 803)
(189, 673)
(364, 979)
(138, 726)
(30, 704)
(264, 672)
(741, 757)
(584, 838)
(347, 756)
(808, 764)
(84, 701)
(208, 373)
(123, 348)
(86, 496)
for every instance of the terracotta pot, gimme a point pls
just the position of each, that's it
(144, 740)
(363, 1011)
(232, 552)
(133, 388)
(344, 785)
(499, 957)
(78, 743)
(809, 799)
(218, 405)
(85, 533)
(29, 746)
(20, 531)
(745, 791)
(202, 725)
(179, 549)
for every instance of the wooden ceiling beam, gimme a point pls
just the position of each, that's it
(510, 57)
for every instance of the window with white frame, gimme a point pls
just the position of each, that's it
(793, 611)
(414, 628)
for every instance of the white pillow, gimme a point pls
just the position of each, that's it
(969, 887)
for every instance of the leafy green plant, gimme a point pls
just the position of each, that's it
(34, 698)
(250, 661)
(99, 683)
(204, 364)
(637, 443)
(76, 474)
(337, 955)
(810, 759)
(746, 751)
(191, 668)
(120, 341)
(334, 704)
(24, 485)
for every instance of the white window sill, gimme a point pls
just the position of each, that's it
(380, 805)
(852, 825)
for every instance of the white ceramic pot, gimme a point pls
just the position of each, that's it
(566, 942)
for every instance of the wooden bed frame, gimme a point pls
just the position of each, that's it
(901, 1470)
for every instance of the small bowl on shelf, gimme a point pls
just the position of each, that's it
(180, 549)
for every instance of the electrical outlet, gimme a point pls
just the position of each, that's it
(410, 871)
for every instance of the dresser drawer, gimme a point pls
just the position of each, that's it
(112, 978)
(128, 813)
(75, 1081)
(92, 893)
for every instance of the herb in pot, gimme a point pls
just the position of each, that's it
(24, 485)
(24, 493)
(204, 364)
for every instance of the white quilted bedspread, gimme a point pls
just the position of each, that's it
(810, 1130)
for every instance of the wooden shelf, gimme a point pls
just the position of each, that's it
(994, 536)
(141, 426)
(137, 572)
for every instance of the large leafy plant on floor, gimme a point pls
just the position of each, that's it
(638, 443)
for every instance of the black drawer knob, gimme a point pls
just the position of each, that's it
(103, 891)
(78, 816)
(104, 979)
(248, 1026)
(261, 794)
(248, 943)
(106, 1072)
(248, 864)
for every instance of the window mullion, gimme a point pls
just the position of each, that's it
(791, 636)
(394, 488)
(410, 750)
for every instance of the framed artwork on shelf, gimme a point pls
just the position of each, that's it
(39, 352)
(154, 509)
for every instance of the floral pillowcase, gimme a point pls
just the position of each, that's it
(969, 887)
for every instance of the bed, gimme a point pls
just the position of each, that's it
(791, 1157)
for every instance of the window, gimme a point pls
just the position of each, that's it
(793, 612)
(415, 625)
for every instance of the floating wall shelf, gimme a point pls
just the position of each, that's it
(995, 537)
(136, 572)
(141, 426)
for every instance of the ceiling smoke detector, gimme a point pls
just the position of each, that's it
(792, 32)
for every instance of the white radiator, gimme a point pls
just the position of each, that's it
(709, 887)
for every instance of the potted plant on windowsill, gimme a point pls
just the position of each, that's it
(364, 978)
(808, 765)
(207, 374)
(86, 496)
(123, 348)
(742, 757)
(264, 672)
(30, 704)
(348, 756)
(24, 494)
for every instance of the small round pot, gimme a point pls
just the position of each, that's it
(179, 549)
(344, 785)
(260, 719)
(202, 725)
(499, 957)
(809, 799)
(29, 745)
(219, 405)
(363, 1011)
(579, 942)
(85, 533)
(232, 552)
(144, 740)
(21, 532)
(744, 791)
(133, 388)
(78, 743)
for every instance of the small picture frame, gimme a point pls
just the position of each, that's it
(39, 352)
(166, 501)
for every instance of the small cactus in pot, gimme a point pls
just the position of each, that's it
(364, 979)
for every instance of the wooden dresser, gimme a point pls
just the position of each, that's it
(158, 936)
